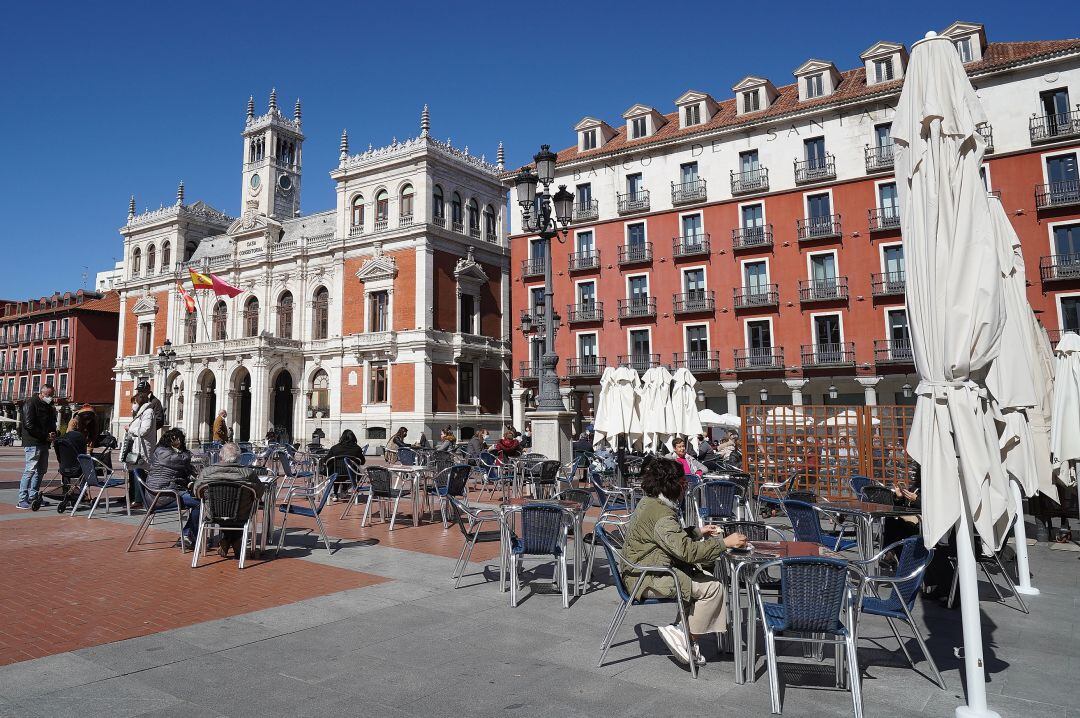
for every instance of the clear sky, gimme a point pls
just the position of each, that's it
(101, 100)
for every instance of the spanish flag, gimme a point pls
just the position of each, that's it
(189, 301)
(200, 281)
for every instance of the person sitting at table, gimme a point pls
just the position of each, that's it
(171, 468)
(477, 444)
(690, 466)
(227, 469)
(507, 447)
(396, 442)
(422, 442)
(447, 440)
(347, 446)
(655, 537)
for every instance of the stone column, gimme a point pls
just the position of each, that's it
(565, 392)
(868, 384)
(796, 386)
(260, 399)
(729, 388)
(518, 394)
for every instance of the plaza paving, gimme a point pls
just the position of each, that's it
(377, 629)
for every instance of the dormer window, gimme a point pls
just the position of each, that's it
(751, 103)
(588, 140)
(884, 61)
(638, 128)
(963, 47)
(883, 69)
(969, 39)
(592, 133)
(815, 86)
(692, 115)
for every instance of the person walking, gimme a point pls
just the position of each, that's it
(143, 387)
(221, 428)
(139, 443)
(38, 431)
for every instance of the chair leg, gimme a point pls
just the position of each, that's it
(142, 527)
(322, 532)
(852, 657)
(93, 507)
(774, 678)
(244, 543)
(613, 628)
(513, 581)
(922, 647)
(955, 583)
(199, 533)
(1012, 585)
(900, 640)
(562, 575)
(686, 636)
(367, 511)
(393, 514)
(986, 572)
(79, 501)
(281, 532)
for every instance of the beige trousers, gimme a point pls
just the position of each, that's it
(708, 609)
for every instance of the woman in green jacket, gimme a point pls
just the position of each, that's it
(656, 537)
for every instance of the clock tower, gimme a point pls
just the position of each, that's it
(272, 156)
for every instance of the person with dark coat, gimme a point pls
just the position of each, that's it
(227, 469)
(155, 404)
(37, 430)
(347, 446)
(477, 444)
(171, 468)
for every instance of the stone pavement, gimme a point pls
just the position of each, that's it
(376, 629)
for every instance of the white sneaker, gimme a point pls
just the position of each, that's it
(676, 642)
(698, 658)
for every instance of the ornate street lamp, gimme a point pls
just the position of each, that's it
(166, 360)
(549, 217)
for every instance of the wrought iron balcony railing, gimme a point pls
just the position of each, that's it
(1059, 267)
(691, 245)
(688, 192)
(694, 302)
(879, 158)
(884, 219)
(699, 362)
(752, 237)
(755, 180)
(763, 295)
(759, 358)
(1058, 126)
(529, 370)
(586, 366)
(887, 284)
(823, 290)
(815, 170)
(585, 312)
(639, 362)
(818, 227)
(633, 202)
(635, 253)
(637, 307)
(893, 351)
(830, 354)
(533, 267)
(581, 261)
(1057, 194)
(586, 211)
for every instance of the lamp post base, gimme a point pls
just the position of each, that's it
(552, 434)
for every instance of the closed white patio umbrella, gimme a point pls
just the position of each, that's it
(657, 415)
(1065, 422)
(602, 420)
(684, 406)
(956, 315)
(624, 406)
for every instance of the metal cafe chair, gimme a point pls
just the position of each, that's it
(471, 521)
(806, 526)
(351, 467)
(156, 502)
(614, 523)
(381, 489)
(451, 481)
(986, 561)
(315, 496)
(96, 475)
(544, 528)
(221, 501)
(716, 500)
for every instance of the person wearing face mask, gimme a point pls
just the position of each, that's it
(140, 440)
(38, 430)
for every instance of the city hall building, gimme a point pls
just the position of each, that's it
(384, 311)
(754, 237)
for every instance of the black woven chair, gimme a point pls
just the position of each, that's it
(381, 490)
(451, 481)
(543, 478)
(877, 494)
(223, 506)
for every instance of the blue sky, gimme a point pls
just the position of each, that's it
(102, 100)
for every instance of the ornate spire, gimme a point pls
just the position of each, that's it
(344, 145)
(131, 208)
(425, 121)
(251, 107)
(180, 193)
(297, 114)
(500, 157)
(273, 99)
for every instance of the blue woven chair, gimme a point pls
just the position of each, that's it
(246, 459)
(406, 457)
(315, 497)
(771, 494)
(815, 592)
(903, 587)
(806, 525)
(609, 499)
(985, 561)
(715, 501)
(858, 483)
(627, 595)
(543, 533)
(877, 494)
(451, 481)
(613, 521)
(476, 526)
(96, 475)
(492, 475)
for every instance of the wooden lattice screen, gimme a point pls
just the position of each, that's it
(827, 445)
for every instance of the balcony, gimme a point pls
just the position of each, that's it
(529, 370)
(439, 220)
(691, 245)
(582, 261)
(699, 362)
(491, 237)
(759, 359)
(761, 296)
(879, 158)
(585, 312)
(1050, 128)
(827, 227)
(533, 267)
(639, 362)
(536, 316)
(887, 284)
(987, 131)
(586, 211)
(816, 170)
(633, 202)
(457, 226)
(694, 302)
(752, 237)
(884, 219)
(755, 180)
(637, 307)
(1057, 194)
(474, 232)
(381, 224)
(688, 192)
(635, 253)
(586, 367)
(405, 220)
(832, 354)
(893, 351)
(823, 290)
(1059, 267)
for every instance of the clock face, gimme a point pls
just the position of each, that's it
(285, 183)
(255, 181)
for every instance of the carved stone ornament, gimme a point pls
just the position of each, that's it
(252, 220)
(145, 305)
(380, 266)
(469, 270)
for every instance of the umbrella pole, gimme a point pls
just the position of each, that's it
(971, 619)
(1023, 584)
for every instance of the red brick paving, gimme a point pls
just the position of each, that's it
(69, 584)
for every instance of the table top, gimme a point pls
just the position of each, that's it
(772, 550)
(525, 501)
(869, 508)
(406, 468)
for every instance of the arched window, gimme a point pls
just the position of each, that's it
(285, 315)
(474, 219)
(320, 393)
(405, 209)
(251, 317)
(166, 257)
(438, 209)
(320, 314)
(191, 329)
(220, 318)
(382, 209)
(357, 215)
(151, 259)
(455, 212)
(489, 223)
(136, 262)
